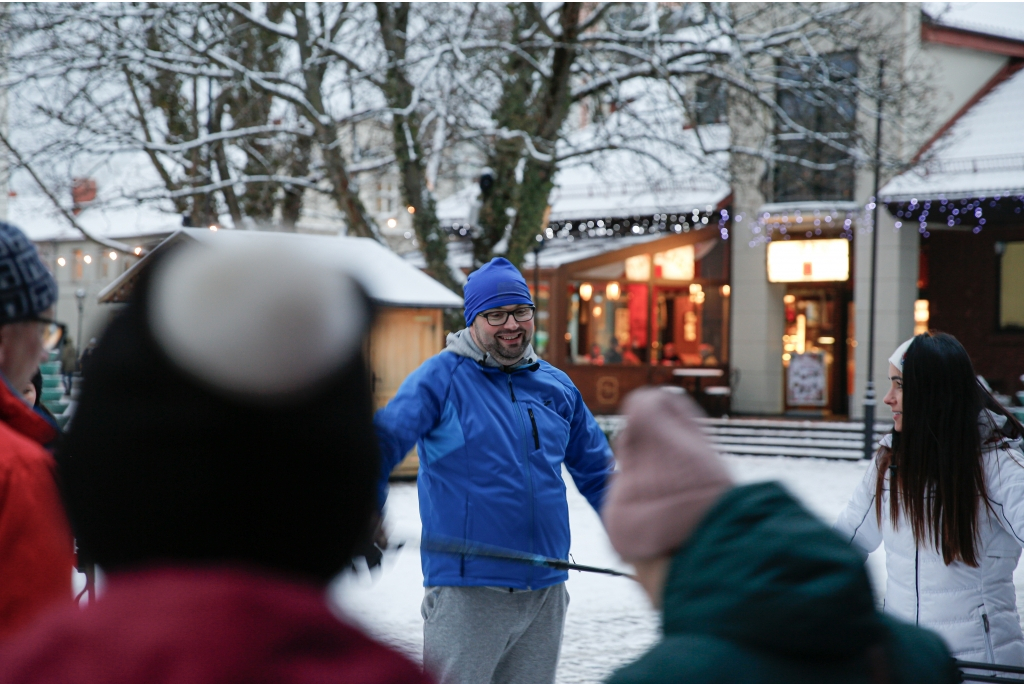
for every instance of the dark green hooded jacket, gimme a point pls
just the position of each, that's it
(764, 592)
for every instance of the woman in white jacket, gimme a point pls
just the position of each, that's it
(946, 497)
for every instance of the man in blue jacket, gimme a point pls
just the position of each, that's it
(493, 426)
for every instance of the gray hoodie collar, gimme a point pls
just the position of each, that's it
(462, 344)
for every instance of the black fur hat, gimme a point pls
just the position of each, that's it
(223, 421)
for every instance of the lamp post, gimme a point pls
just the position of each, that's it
(869, 389)
(536, 267)
(80, 296)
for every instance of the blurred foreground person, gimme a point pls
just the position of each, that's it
(951, 510)
(36, 551)
(221, 471)
(752, 587)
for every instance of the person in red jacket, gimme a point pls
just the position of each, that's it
(36, 550)
(220, 470)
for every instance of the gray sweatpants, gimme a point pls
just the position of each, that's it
(493, 635)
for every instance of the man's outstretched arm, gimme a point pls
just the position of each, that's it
(410, 415)
(587, 456)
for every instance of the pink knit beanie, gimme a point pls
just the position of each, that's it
(670, 476)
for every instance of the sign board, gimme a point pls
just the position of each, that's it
(806, 381)
(808, 261)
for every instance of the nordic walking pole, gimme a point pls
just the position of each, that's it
(476, 549)
(980, 666)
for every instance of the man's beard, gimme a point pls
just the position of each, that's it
(501, 352)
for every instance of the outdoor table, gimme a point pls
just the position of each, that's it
(697, 374)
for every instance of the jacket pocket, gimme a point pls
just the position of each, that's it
(533, 425)
(986, 628)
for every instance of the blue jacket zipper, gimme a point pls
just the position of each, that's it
(529, 472)
(536, 435)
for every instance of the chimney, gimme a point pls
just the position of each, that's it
(83, 191)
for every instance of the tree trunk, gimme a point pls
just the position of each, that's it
(393, 20)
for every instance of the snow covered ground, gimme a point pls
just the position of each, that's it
(609, 621)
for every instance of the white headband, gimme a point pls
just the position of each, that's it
(900, 354)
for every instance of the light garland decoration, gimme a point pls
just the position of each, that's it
(965, 212)
(801, 224)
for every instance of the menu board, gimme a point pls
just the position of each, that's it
(806, 380)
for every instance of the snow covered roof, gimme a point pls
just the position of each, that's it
(981, 155)
(389, 280)
(556, 252)
(1002, 19)
(35, 214)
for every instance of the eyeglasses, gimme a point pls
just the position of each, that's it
(500, 316)
(51, 334)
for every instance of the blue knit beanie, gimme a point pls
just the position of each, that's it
(27, 287)
(495, 284)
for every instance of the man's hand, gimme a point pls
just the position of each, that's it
(373, 548)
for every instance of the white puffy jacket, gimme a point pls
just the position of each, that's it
(973, 609)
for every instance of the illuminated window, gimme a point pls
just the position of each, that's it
(808, 261)
(638, 268)
(76, 273)
(675, 264)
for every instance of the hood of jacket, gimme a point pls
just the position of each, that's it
(461, 343)
(23, 418)
(761, 571)
(994, 429)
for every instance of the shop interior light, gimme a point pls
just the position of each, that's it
(789, 299)
(612, 291)
(598, 311)
(921, 316)
(826, 340)
(726, 290)
(586, 292)
(786, 357)
(696, 293)
(801, 333)
(61, 261)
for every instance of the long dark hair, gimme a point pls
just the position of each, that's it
(937, 475)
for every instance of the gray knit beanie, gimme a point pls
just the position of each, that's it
(27, 287)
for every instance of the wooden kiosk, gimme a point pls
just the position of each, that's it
(408, 327)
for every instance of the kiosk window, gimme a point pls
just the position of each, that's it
(1011, 286)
